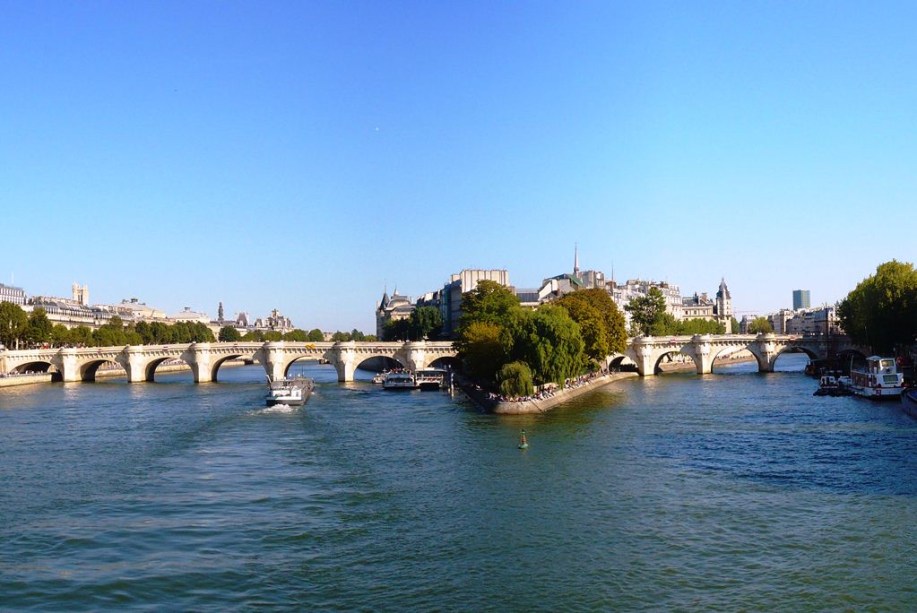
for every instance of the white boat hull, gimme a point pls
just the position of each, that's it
(289, 392)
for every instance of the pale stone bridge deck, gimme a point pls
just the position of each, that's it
(647, 352)
(204, 359)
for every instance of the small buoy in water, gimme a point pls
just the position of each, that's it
(523, 443)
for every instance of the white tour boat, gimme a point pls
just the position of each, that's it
(431, 378)
(399, 380)
(291, 391)
(878, 380)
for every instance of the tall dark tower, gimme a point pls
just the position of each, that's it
(220, 313)
(575, 260)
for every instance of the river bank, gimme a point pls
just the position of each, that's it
(526, 406)
(491, 404)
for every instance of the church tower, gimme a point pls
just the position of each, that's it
(724, 306)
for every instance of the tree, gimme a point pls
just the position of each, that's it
(13, 324)
(81, 336)
(161, 334)
(760, 325)
(488, 301)
(108, 336)
(315, 335)
(297, 336)
(646, 310)
(700, 326)
(515, 380)
(664, 324)
(881, 312)
(38, 330)
(60, 336)
(601, 323)
(425, 321)
(481, 348)
(396, 330)
(228, 334)
(549, 341)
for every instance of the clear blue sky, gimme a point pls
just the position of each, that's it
(306, 155)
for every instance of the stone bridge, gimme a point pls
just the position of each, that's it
(204, 359)
(647, 352)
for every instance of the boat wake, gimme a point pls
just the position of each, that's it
(284, 409)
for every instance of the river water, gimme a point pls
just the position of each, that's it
(732, 491)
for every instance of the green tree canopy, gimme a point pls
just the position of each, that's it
(549, 341)
(700, 326)
(515, 380)
(81, 336)
(645, 311)
(488, 301)
(13, 324)
(60, 335)
(425, 322)
(396, 330)
(39, 327)
(760, 325)
(297, 335)
(601, 323)
(315, 335)
(481, 347)
(228, 334)
(881, 312)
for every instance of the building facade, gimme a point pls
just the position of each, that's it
(800, 299)
(392, 308)
(8, 293)
(459, 283)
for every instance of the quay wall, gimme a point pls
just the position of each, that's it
(525, 407)
(12, 381)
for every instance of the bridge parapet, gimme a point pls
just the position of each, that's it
(647, 352)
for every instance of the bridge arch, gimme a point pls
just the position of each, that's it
(34, 366)
(89, 369)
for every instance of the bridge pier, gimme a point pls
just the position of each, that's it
(68, 364)
(703, 359)
(133, 361)
(344, 360)
(643, 349)
(198, 358)
(765, 351)
(274, 360)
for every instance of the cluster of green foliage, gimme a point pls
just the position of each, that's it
(353, 335)
(498, 340)
(17, 329)
(515, 380)
(425, 322)
(649, 317)
(230, 334)
(881, 312)
(760, 325)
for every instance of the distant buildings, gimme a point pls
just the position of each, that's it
(392, 308)
(800, 299)
(449, 299)
(12, 294)
(76, 311)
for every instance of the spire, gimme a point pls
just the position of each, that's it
(575, 260)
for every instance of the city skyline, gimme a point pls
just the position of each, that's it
(305, 157)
